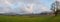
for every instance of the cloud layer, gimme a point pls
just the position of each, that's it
(22, 6)
(58, 0)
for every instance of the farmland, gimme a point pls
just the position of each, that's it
(29, 19)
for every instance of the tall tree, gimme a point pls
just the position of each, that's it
(55, 7)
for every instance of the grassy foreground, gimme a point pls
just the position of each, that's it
(29, 19)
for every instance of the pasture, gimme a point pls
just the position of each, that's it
(29, 19)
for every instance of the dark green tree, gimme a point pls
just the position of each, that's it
(55, 7)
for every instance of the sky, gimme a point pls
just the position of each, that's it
(58, 0)
(48, 2)
(25, 6)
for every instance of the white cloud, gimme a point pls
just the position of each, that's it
(44, 8)
(40, 8)
(28, 7)
(58, 0)
(7, 2)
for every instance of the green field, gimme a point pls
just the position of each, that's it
(29, 19)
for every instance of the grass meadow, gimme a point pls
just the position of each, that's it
(29, 19)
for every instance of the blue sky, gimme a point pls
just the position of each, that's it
(21, 5)
(47, 2)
